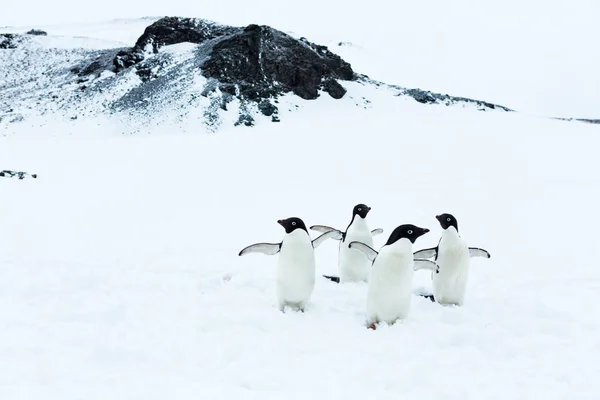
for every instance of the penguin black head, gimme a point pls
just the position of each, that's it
(447, 220)
(291, 224)
(407, 231)
(361, 210)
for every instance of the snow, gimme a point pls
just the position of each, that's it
(120, 277)
(121, 280)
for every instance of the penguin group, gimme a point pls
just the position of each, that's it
(387, 272)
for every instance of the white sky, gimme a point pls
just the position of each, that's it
(537, 56)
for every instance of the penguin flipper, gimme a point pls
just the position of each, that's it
(425, 253)
(335, 279)
(419, 264)
(376, 232)
(269, 249)
(325, 229)
(324, 237)
(477, 252)
(367, 251)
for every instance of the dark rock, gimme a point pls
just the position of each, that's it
(167, 31)
(173, 30)
(422, 96)
(127, 58)
(8, 41)
(253, 63)
(427, 97)
(586, 120)
(264, 62)
(145, 73)
(18, 174)
(334, 88)
(102, 61)
(245, 119)
(267, 108)
(37, 32)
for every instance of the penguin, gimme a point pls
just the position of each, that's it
(296, 264)
(452, 255)
(389, 288)
(353, 265)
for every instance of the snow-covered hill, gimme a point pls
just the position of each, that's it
(119, 273)
(179, 69)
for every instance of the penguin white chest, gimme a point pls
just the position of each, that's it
(295, 270)
(449, 285)
(390, 283)
(353, 265)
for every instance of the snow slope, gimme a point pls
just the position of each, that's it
(120, 277)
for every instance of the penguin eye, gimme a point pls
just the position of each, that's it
(409, 232)
(293, 224)
(448, 219)
(359, 209)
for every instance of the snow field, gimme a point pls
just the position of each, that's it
(121, 280)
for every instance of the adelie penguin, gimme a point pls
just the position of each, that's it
(353, 265)
(452, 255)
(390, 282)
(296, 264)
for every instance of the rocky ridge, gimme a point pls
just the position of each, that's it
(186, 66)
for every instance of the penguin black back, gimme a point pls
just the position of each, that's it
(407, 231)
(447, 220)
(291, 224)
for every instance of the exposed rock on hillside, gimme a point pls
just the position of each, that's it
(255, 62)
(180, 69)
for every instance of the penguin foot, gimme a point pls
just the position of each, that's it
(373, 326)
(428, 296)
(293, 307)
(335, 279)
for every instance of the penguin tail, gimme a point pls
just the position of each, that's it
(335, 279)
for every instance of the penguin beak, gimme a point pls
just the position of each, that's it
(280, 222)
(425, 230)
(437, 217)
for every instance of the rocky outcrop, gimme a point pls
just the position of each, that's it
(255, 62)
(427, 97)
(37, 32)
(16, 174)
(185, 69)
(262, 62)
(168, 31)
(9, 41)
(586, 120)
